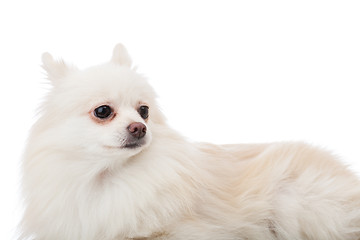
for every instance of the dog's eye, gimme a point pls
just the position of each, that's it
(103, 111)
(144, 112)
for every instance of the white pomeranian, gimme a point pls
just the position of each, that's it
(102, 164)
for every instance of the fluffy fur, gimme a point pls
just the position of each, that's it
(81, 183)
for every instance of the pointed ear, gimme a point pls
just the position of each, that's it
(120, 56)
(55, 68)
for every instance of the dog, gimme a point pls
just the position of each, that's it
(101, 163)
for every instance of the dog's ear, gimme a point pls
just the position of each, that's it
(120, 56)
(55, 69)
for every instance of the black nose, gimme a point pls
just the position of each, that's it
(137, 130)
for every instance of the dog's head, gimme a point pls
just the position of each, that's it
(106, 110)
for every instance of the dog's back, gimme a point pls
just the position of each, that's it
(276, 191)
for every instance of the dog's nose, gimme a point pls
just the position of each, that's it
(137, 130)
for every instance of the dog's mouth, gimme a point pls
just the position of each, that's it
(130, 144)
(134, 143)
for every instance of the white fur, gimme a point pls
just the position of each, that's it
(79, 184)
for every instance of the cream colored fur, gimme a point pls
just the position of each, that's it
(79, 184)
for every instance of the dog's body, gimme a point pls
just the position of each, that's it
(102, 164)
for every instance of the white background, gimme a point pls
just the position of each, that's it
(225, 71)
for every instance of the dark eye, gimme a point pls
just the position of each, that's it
(103, 111)
(144, 112)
